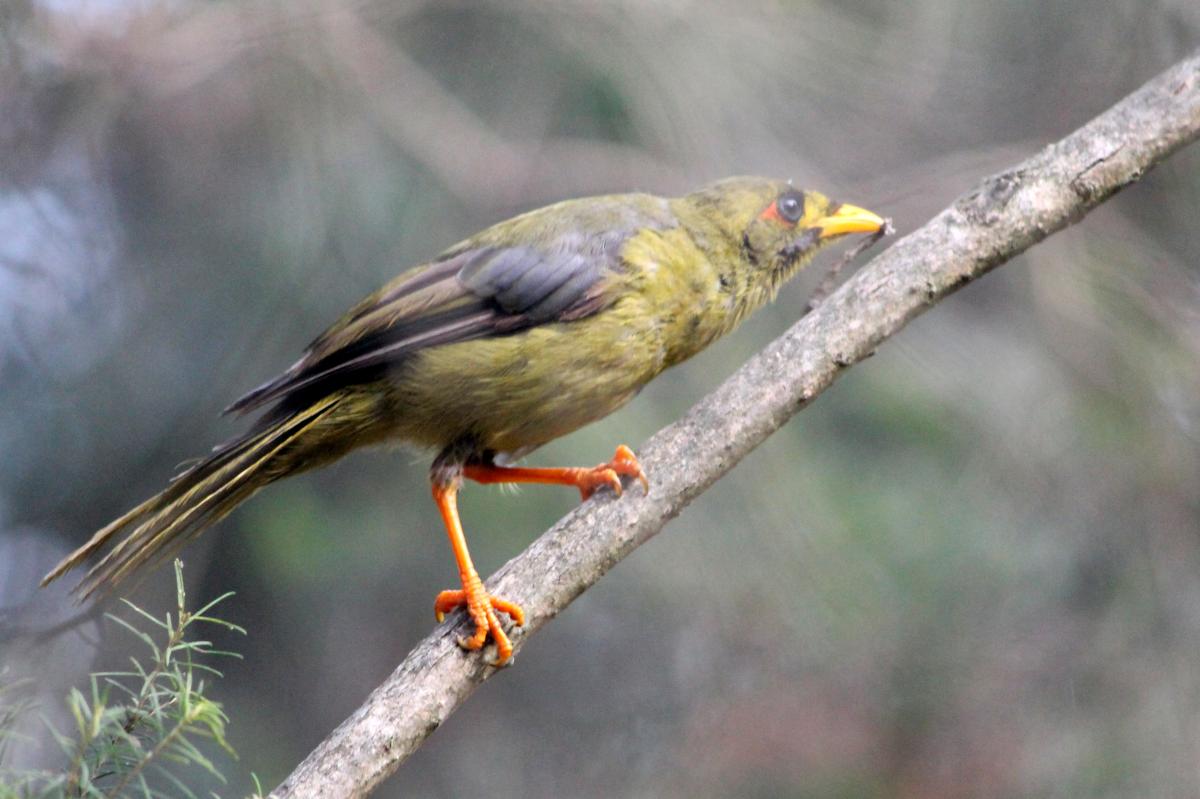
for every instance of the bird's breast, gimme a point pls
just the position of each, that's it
(515, 392)
(683, 291)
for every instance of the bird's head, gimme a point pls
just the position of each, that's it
(775, 227)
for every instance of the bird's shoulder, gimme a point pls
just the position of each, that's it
(532, 264)
(547, 265)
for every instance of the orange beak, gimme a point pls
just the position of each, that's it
(848, 219)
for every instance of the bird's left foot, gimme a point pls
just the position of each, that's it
(623, 464)
(482, 607)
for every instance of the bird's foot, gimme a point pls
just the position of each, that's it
(482, 607)
(623, 464)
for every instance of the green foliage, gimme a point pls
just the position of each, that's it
(137, 733)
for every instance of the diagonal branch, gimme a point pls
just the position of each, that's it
(1001, 217)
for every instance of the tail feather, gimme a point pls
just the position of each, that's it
(196, 499)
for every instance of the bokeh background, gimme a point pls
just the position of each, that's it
(970, 569)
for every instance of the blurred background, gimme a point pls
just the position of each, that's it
(970, 569)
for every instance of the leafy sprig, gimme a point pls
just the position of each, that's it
(136, 731)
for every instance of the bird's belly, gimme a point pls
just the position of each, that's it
(517, 392)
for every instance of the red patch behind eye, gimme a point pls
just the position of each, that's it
(772, 212)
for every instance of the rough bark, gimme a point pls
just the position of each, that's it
(1001, 217)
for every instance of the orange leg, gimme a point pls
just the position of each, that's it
(623, 464)
(481, 606)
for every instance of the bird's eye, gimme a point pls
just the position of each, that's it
(790, 206)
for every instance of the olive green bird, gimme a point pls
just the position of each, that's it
(512, 338)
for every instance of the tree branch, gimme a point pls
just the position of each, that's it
(1001, 217)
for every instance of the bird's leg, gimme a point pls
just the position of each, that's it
(481, 606)
(623, 464)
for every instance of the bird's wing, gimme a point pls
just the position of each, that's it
(475, 290)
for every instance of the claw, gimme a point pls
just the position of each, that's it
(482, 607)
(601, 476)
(623, 464)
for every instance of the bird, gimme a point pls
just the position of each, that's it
(520, 334)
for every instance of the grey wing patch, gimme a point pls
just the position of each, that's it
(523, 281)
(485, 292)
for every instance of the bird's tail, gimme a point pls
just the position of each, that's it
(196, 499)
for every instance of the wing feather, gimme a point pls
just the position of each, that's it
(477, 292)
(494, 284)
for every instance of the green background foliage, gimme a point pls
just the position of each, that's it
(137, 732)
